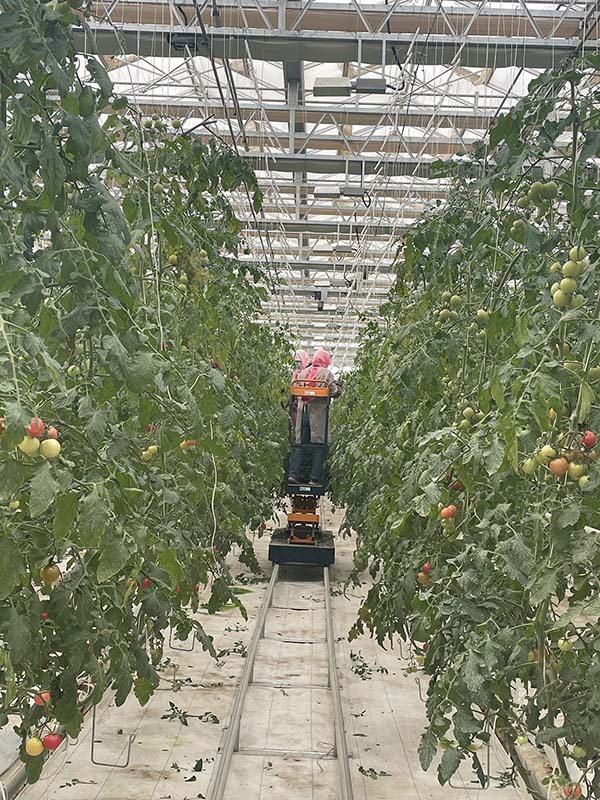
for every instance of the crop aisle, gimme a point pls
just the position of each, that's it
(178, 731)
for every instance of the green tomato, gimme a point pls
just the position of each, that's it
(529, 466)
(446, 296)
(564, 645)
(550, 190)
(594, 373)
(568, 285)
(555, 266)
(468, 413)
(576, 470)
(571, 269)
(482, 316)
(579, 751)
(444, 315)
(577, 253)
(560, 299)
(554, 288)
(577, 301)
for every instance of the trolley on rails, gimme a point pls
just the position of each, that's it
(303, 541)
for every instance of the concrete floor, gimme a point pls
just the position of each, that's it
(173, 761)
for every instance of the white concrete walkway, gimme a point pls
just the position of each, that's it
(171, 760)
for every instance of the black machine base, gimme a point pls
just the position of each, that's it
(304, 488)
(321, 554)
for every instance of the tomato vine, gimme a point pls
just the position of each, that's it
(462, 455)
(143, 433)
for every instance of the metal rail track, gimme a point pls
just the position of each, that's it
(230, 741)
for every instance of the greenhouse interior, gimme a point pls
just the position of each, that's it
(299, 355)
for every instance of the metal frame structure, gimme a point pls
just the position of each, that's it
(344, 175)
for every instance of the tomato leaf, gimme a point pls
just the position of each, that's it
(65, 512)
(494, 457)
(568, 516)
(113, 557)
(11, 565)
(43, 489)
(427, 749)
(143, 690)
(450, 762)
(92, 519)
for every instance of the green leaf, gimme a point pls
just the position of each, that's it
(11, 566)
(143, 690)
(217, 379)
(450, 762)
(53, 169)
(494, 457)
(65, 512)
(95, 426)
(92, 519)
(497, 391)
(18, 636)
(113, 557)
(43, 489)
(169, 561)
(568, 516)
(427, 749)
(542, 585)
(100, 76)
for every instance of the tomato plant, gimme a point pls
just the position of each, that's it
(103, 218)
(510, 611)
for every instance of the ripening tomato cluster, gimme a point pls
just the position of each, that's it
(39, 440)
(34, 746)
(572, 460)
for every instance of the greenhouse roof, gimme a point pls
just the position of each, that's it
(340, 107)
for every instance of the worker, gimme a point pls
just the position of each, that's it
(301, 361)
(311, 420)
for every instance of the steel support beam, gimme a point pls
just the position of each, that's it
(527, 19)
(338, 165)
(316, 228)
(417, 116)
(324, 46)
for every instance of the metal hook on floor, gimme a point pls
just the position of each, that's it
(130, 740)
(181, 649)
(3, 792)
(488, 773)
(173, 685)
(421, 698)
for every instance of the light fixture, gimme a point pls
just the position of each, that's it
(353, 191)
(343, 87)
(332, 87)
(327, 191)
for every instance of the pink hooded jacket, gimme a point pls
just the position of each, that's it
(317, 407)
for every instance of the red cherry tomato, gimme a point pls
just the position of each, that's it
(36, 427)
(2, 421)
(197, 588)
(177, 589)
(425, 647)
(457, 486)
(44, 615)
(426, 568)
(42, 699)
(448, 512)
(52, 433)
(147, 583)
(52, 741)
(588, 439)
